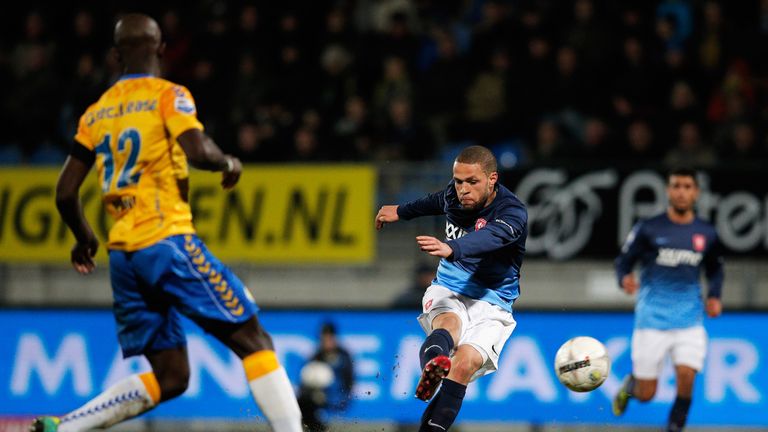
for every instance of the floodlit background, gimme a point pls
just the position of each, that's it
(339, 107)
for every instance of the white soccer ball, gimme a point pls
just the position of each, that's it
(316, 375)
(582, 364)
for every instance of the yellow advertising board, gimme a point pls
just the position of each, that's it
(277, 214)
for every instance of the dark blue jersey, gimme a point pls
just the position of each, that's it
(488, 244)
(671, 257)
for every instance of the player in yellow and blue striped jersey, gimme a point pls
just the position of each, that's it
(140, 135)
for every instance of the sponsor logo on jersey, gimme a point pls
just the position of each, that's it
(669, 257)
(452, 232)
(699, 242)
(184, 105)
(480, 223)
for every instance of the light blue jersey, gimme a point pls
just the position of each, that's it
(671, 258)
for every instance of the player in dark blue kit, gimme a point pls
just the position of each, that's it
(467, 311)
(672, 248)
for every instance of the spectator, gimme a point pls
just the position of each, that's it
(394, 84)
(712, 42)
(594, 141)
(294, 79)
(570, 90)
(635, 85)
(411, 297)
(682, 107)
(337, 81)
(736, 96)
(487, 98)
(690, 150)
(353, 132)
(251, 89)
(84, 89)
(253, 143)
(177, 46)
(549, 146)
(585, 34)
(306, 147)
(741, 146)
(492, 33)
(404, 136)
(203, 84)
(482, 71)
(33, 101)
(338, 31)
(640, 148)
(81, 41)
(399, 41)
(443, 104)
(326, 381)
(674, 23)
(251, 36)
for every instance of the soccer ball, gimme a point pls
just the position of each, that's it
(582, 364)
(316, 375)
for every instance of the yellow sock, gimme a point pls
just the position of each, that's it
(260, 363)
(152, 386)
(273, 391)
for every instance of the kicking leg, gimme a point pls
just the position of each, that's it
(435, 352)
(442, 411)
(267, 379)
(127, 398)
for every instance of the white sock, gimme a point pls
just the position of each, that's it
(123, 400)
(273, 391)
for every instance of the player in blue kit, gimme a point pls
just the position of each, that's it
(672, 248)
(467, 311)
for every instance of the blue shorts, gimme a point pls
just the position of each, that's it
(178, 274)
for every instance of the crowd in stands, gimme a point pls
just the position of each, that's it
(539, 81)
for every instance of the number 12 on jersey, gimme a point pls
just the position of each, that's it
(125, 177)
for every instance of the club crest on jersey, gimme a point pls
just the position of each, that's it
(427, 306)
(699, 242)
(184, 105)
(480, 223)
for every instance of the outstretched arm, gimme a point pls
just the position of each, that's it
(75, 170)
(431, 204)
(386, 214)
(204, 154)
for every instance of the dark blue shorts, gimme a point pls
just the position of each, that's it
(176, 275)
